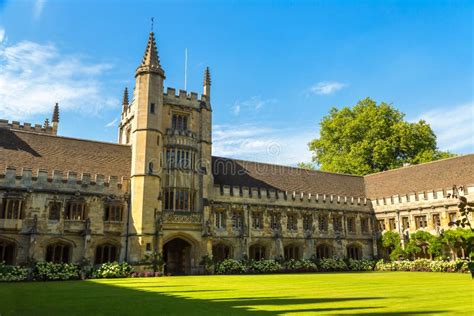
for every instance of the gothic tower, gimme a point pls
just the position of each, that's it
(141, 127)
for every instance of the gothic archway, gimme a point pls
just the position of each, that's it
(177, 256)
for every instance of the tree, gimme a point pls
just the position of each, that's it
(392, 241)
(306, 165)
(424, 243)
(370, 138)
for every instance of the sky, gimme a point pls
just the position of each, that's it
(277, 67)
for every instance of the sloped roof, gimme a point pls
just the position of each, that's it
(235, 172)
(40, 151)
(440, 174)
(22, 149)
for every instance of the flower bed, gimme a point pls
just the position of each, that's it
(423, 265)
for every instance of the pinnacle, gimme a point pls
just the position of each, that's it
(150, 57)
(207, 77)
(56, 114)
(125, 99)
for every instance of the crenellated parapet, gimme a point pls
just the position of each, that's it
(185, 99)
(27, 127)
(61, 181)
(423, 199)
(254, 195)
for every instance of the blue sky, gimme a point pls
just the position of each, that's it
(277, 67)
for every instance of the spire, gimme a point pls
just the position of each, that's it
(55, 119)
(56, 114)
(125, 100)
(207, 84)
(46, 123)
(150, 61)
(207, 77)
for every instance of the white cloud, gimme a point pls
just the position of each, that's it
(453, 126)
(38, 8)
(112, 123)
(326, 87)
(253, 104)
(34, 76)
(263, 144)
(2, 34)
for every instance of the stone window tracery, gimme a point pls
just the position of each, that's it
(354, 252)
(292, 252)
(75, 211)
(337, 223)
(351, 224)
(106, 253)
(323, 223)
(113, 212)
(237, 220)
(322, 252)
(292, 222)
(420, 221)
(257, 220)
(12, 208)
(275, 220)
(257, 252)
(179, 122)
(58, 253)
(219, 219)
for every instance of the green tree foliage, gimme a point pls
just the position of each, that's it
(392, 241)
(370, 138)
(424, 244)
(306, 165)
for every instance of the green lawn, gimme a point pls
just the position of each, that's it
(377, 293)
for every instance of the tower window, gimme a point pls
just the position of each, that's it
(75, 211)
(152, 108)
(12, 209)
(180, 122)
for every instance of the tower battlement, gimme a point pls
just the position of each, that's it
(61, 181)
(184, 98)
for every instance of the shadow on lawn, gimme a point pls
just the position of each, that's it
(96, 298)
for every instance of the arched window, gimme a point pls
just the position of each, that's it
(292, 252)
(106, 253)
(58, 253)
(220, 252)
(323, 251)
(7, 252)
(257, 252)
(354, 252)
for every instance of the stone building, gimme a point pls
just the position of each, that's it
(160, 189)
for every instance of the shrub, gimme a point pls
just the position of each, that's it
(330, 264)
(303, 265)
(12, 273)
(49, 271)
(113, 270)
(423, 265)
(361, 265)
(265, 266)
(231, 266)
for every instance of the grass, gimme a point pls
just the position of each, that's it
(373, 293)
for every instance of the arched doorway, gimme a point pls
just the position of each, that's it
(177, 255)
